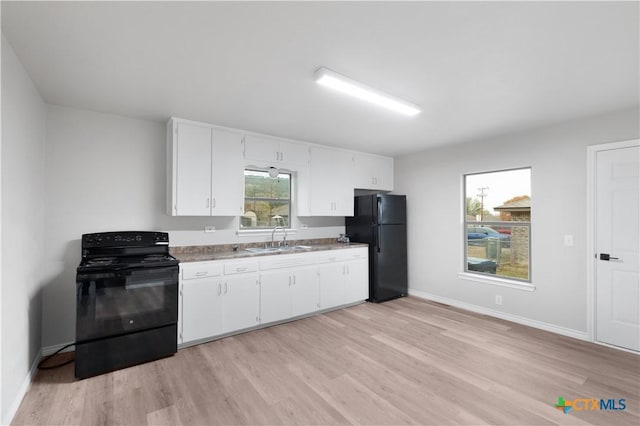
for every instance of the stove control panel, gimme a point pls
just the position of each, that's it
(125, 239)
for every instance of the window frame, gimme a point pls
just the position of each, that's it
(249, 230)
(485, 277)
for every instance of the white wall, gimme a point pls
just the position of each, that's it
(432, 181)
(23, 207)
(108, 173)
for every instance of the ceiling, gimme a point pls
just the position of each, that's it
(478, 69)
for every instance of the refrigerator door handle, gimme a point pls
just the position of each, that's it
(379, 207)
(378, 242)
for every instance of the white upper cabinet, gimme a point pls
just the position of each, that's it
(192, 173)
(372, 172)
(205, 170)
(260, 151)
(329, 187)
(227, 174)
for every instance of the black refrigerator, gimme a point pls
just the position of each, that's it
(380, 220)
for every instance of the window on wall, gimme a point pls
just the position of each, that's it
(267, 200)
(498, 224)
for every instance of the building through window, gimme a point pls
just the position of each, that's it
(498, 223)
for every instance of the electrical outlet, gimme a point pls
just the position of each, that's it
(209, 229)
(498, 299)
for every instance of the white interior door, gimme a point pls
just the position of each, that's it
(617, 226)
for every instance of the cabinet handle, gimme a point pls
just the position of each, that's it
(219, 289)
(241, 269)
(225, 288)
(289, 280)
(208, 201)
(214, 203)
(294, 280)
(201, 273)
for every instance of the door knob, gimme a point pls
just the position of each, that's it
(606, 256)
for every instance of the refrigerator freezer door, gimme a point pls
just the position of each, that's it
(365, 210)
(389, 267)
(390, 209)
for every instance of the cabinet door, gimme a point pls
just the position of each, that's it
(305, 295)
(331, 285)
(373, 172)
(241, 298)
(331, 192)
(201, 309)
(294, 153)
(193, 170)
(275, 296)
(227, 174)
(261, 149)
(356, 281)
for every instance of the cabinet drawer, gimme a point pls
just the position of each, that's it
(197, 270)
(284, 261)
(343, 255)
(242, 267)
(357, 253)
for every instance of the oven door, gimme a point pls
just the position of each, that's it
(119, 302)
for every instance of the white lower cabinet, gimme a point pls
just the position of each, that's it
(212, 303)
(241, 307)
(344, 277)
(356, 284)
(288, 293)
(275, 296)
(201, 309)
(304, 291)
(331, 285)
(220, 297)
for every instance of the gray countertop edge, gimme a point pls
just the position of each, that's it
(242, 253)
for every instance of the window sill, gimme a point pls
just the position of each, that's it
(263, 232)
(501, 282)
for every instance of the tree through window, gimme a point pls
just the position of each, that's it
(267, 201)
(498, 223)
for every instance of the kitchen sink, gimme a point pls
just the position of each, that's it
(276, 249)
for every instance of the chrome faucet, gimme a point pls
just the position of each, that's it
(284, 239)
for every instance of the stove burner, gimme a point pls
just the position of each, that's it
(102, 260)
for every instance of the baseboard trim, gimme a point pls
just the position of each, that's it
(13, 409)
(569, 332)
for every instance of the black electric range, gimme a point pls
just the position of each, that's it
(126, 301)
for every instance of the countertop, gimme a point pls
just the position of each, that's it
(226, 251)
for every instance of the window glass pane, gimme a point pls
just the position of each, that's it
(267, 200)
(259, 184)
(499, 196)
(498, 223)
(501, 250)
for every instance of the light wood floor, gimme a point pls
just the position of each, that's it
(403, 362)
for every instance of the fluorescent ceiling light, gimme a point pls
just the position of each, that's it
(339, 82)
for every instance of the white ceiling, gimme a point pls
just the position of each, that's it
(477, 68)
